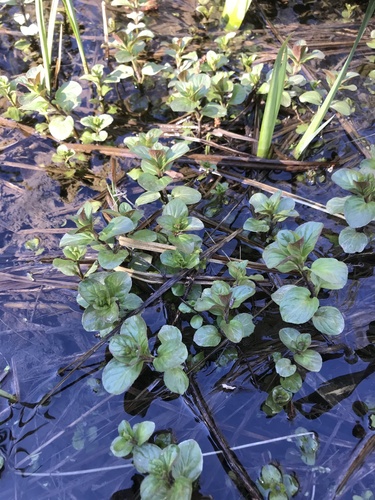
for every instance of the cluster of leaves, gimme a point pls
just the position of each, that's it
(275, 485)
(270, 211)
(359, 207)
(156, 162)
(131, 351)
(222, 301)
(171, 470)
(289, 253)
(290, 380)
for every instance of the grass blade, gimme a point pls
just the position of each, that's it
(234, 12)
(312, 129)
(43, 43)
(69, 9)
(273, 102)
(51, 27)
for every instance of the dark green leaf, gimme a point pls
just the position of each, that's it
(118, 378)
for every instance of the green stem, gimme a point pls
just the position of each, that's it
(11, 398)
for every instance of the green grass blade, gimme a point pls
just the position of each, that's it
(51, 27)
(69, 9)
(234, 12)
(43, 43)
(273, 102)
(312, 129)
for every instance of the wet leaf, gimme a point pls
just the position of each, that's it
(176, 380)
(207, 336)
(118, 378)
(352, 241)
(311, 360)
(329, 320)
(297, 306)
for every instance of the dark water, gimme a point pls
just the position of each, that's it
(60, 449)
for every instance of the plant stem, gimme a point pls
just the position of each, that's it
(10, 397)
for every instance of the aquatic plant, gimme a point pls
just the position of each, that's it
(316, 126)
(358, 208)
(171, 470)
(298, 305)
(273, 102)
(234, 13)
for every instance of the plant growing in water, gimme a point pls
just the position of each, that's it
(171, 470)
(298, 304)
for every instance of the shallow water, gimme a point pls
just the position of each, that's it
(61, 449)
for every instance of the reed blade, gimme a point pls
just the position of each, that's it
(234, 13)
(43, 43)
(273, 102)
(314, 127)
(69, 9)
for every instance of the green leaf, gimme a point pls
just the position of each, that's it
(358, 212)
(292, 383)
(143, 455)
(213, 110)
(152, 183)
(67, 96)
(121, 447)
(61, 127)
(342, 107)
(196, 321)
(194, 224)
(186, 194)
(109, 260)
(276, 257)
(312, 97)
(67, 267)
(336, 205)
(181, 489)
(154, 488)
(285, 368)
(270, 476)
(297, 306)
(288, 337)
(329, 320)
(240, 294)
(333, 274)
(176, 208)
(207, 336)
(238, 96)
(278, 296)
(310, 232)
(98, 318)
(311, 360)
(147, 197)
(352, 241)
(143, 431)
(118, 284)
(232, 330)
(171, 354)
(189, 463)
(256, 226)
(246, 320)
(145, 235)
(186, 243)
(345, 178)
(92, 290)
(176, 380)
(118, 226)
(183, 105)
(118, 378)
(77, 239)
(168, 332)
